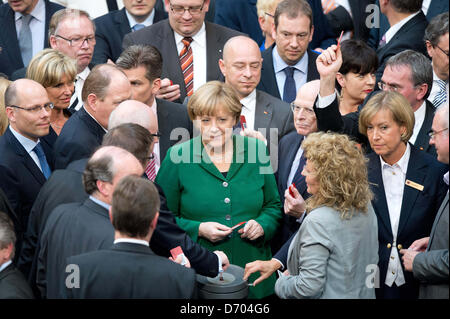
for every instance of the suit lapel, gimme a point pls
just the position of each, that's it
(289, 158)
(414, 173)
(313, 74)
(263, 113)
(268, 81)
(376, 183)
(423, 139)
(121, 19)
(9, 35)
(213, 53)
(441, 210)
(204, 161)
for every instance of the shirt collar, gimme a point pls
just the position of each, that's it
(132, 240)
(446, 176)
(84, 74)
(249, 101)
(199, 37)
(146, 22)
(402, 163)
(99, 202)
(95, 120)
(6, 264)
(38, 12)
(280, 65)
(27, 144)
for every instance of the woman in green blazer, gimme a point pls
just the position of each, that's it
(217, 180)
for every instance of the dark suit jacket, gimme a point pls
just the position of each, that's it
(268, 81)
(21, 179)
(13, 285)
(63, 186)
(417, 214)
(437, 7)
(410, 36)
(79, 137)
(110, 30)
(10, 57)
(160, 35)
(330, 118)
(172, 116)
(128, 270)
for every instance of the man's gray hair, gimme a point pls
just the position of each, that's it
(7, 234)
(438, 27)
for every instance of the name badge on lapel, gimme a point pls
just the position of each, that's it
(414, 185)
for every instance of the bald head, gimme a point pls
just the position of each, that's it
(241, 64)
(307, 93)
(132, 111)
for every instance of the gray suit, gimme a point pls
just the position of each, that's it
(431, 267)
(329, 257)
(160, 35)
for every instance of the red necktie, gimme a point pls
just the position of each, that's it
(187, 65)
(150, 170)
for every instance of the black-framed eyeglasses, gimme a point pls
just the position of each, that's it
(157, 134)
(35, 109)
(443, 51)
(78, 42)
(432, 133)
(149, 158)
(180, 10)
(268, 14)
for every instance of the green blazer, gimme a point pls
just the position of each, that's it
(197, 192)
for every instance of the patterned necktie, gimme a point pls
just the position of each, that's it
(138, 26)
(25, 40)
(187, 65)
(289, 91)
(299, 179)
(328, 5)
(150, 170)
(42, 160)
(441, 96)
(382, 41)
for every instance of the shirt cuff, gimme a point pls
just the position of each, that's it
(324, 101)
(300, 220)
(220, 263)
(282, 266)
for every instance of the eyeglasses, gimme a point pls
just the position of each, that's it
(432, 134)
(384, 86)
(268, 14)
(296, 109)
(157, 134)
(179, 10)
(149, 158)
(78, 42)
(35, 109)
(446, 53)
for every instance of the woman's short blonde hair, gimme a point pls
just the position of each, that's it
(48, 67)
(212, 95)
(4, 83)
(263, 6)
(340, 168)
(399, 106)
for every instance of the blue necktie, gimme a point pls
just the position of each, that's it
(289, 91)
(42, 160)
(138, 27)
(299, 179)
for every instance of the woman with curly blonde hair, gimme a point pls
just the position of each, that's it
(4, 83)
(337, 241)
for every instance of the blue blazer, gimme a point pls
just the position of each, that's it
(78, 139)
(10, 57)
(268, 82)
(110, 30)
(21, 179)
(417, 214)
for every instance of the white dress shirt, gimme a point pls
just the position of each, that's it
(6, 264)
(248, 109)
(419, 117)
(28, 145)
(394, 178)
(425, 6)
(37, 26)
(132, 240)
(300, 74)
(394, 29)
(198, 46)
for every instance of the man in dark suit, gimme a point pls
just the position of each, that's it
(202, 47)
(143, 67)
(288, 64)
(76, 228)
(11, 21)
(108, 273)
(113, 26)
(25, 163)
(427, 258)
(408, 24)
(106, 86)
(408, 73)
(266, 116)
(12, 283)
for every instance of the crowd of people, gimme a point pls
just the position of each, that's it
(305, 141)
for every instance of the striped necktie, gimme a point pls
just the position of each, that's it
(328, 5)
(441, 96)
(150, 170)
(187, 65)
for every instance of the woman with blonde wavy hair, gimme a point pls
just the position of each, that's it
(4, 83)
(337, 241)
(56, 72)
